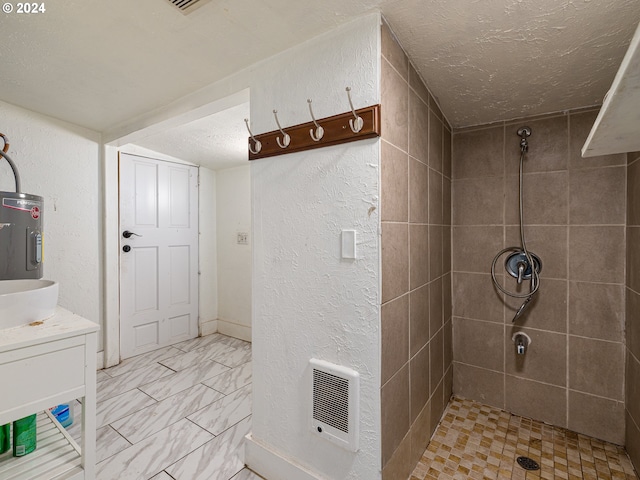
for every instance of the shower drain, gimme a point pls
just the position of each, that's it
(527, 463)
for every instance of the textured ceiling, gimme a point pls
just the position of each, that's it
(100, 63)
(217, 142)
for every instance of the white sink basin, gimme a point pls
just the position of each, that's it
(26, 301)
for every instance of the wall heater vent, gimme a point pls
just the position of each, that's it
(187, 6)
(335, 406)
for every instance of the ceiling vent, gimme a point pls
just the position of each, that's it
(188, 6)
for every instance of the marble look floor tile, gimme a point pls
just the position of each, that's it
(234, 342)
(246, 474)
(143, 360)
(237, 358)
(101, 375)
(128, 381)
(219, 459)
(176, 382)
(154, 418)
(199, 342)
(162, 476)
(194, 357)
(224, 413)
(153, 454)
(108, 443)
(231, 380)
(115, 408)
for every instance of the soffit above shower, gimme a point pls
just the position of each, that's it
(102, 64)
(616, 128)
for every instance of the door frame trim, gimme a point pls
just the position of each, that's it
(193, 107)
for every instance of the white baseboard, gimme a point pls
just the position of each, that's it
(234, 330)
(271, 465)
(100, 360)
(208, 327)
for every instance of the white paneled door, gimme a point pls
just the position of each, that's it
(158, 254)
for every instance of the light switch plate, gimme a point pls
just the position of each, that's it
(348, 244)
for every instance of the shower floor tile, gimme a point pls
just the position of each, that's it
(475, 441)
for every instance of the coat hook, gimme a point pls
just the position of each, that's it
(357, 122)
(286, 139)
(258, 143)
(317, 136)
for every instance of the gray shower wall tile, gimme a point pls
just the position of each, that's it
(632, 321)
(597, 196)
(596, 367)
(478, 201)
(395, 412)
(392, 51)
(548, 145)
(473, 247)
(435, 141)
(545, 359)
(536, 400)
(546, 199)
(478, 153)
(596, 254)
(597, 310)
(419, 368)
(394, 197)
(478, 343)
(633, 194)
(475, 296)
(633, 258)
(395, 260)
(546, 241)
(475, 382)
(418, 320)
(596, 417)
(395, 98)
(395, 336)
(416, 83)
(418, 191)
(418, 128)
(546, 311)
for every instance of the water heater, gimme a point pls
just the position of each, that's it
(20, 236)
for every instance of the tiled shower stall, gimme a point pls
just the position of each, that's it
(449, 204)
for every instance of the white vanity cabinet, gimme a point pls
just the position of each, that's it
(42, 366)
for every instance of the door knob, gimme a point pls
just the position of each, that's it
(126, 249)
(128, 234)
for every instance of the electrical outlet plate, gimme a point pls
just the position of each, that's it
(242, 238)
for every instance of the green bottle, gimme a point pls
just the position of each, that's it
(5, 438)
(24, 436)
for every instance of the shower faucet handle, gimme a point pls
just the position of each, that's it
(521, 268)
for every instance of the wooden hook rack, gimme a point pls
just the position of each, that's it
(336, 131)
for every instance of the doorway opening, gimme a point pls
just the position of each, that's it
(210, 141)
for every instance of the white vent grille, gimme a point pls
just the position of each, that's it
(335, 403)
(187, 6)
(331, 400)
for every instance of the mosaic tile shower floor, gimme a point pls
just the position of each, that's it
(474, 441)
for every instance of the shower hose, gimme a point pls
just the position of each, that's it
(535, 279)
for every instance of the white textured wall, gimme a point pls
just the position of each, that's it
(208, 263)
(61, 162)
(233, 194)
(307, 302)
